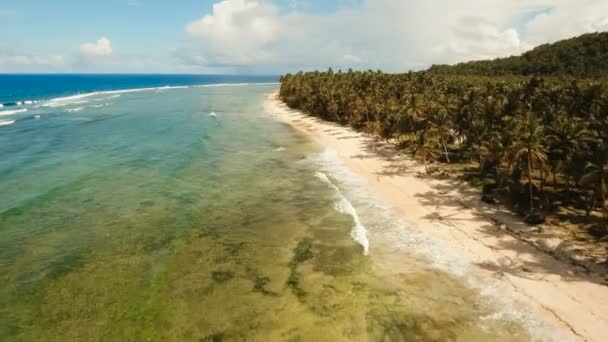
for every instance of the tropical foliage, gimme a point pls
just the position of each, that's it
(583, 56)
(541, 142)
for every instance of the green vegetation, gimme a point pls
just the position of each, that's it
(583, 56)
(537, 144)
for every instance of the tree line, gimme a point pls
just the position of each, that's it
(536, 143)
(582, 56)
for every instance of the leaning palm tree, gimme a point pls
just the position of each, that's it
(441, 126)
(528, 146)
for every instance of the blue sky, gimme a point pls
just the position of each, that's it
(276, 36)
(151, 28)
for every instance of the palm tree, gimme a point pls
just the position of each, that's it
(566, 137)
(441, 125)
(498, 119)
(423, 148)
(529, 146)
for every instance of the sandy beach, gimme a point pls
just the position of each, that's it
(560, 292)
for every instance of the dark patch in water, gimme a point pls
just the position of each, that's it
(293, 282)
(302, 253)
(400, 326)
(158, 245)
(146, 203)
(213, 338)
(233, 249)
(5, 215)
(54, 269)
(260, 285)
(222, 276)
(8, 329)
(185, 198)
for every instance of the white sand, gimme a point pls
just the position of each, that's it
(451, 213)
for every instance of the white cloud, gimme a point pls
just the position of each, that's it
(238, 31)
(569, 19)
(102, 48)
(477, 38)
(352, 58)
(388, 34)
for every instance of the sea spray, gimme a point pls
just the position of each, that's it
(343, 205)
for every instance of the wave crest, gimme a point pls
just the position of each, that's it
(343, 205)
(11, 112)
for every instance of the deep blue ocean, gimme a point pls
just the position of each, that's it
(34, 87)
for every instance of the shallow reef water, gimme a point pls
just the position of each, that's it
(149, 220)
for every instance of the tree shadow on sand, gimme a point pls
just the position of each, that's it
(535, 252)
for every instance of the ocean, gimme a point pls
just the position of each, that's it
(175, 208)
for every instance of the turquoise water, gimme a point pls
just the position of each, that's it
(136, 216)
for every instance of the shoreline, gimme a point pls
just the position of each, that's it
(556, 290)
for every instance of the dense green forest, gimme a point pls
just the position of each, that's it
(583, 56)
(535, 144)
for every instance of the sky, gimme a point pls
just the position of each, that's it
(278, 36)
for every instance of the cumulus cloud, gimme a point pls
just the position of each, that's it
(238, 31)
(569, 19)
(477, 38)
(389, 34)
(102, 48)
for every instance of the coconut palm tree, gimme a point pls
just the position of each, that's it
(566, 137)
(423, 148)
(529, 146)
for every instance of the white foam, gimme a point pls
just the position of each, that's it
(1, 105)
(280, 149)
(7, 123)
(383, 223)
(11, 112)
(19, 103)
(62, 101)
(37, 116)
(101, 105)
(343, 205)
(72, 99)
(78, 109)
(28, 102)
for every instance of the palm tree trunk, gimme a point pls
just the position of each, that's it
(445, 149)
(554, 178)
(543, 176)
(530, 179)
(479, 154)
(603, 196)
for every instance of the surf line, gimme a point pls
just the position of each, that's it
(358, 232)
